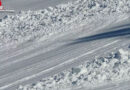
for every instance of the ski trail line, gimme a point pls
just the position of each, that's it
(52, 68)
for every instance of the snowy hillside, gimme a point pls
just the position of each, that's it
(31, 25)
(68, 45)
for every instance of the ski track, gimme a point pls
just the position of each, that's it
(35, 66)
(38, 64)
(40, 73)
(26, 50)
(52, 68)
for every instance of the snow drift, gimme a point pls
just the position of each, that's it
(32, 25)
(112, 68)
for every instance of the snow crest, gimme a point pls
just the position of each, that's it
(114, 67)
(31, 25)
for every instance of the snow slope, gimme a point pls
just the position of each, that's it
(31, 25)
(95, 72)
(50, 41)
(28, 64)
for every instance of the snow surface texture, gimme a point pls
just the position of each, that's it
(32, 25)
(112, 68)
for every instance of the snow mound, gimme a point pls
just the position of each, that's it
(114, 67)
(31, 25)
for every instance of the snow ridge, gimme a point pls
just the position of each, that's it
(31, 25)
(96, 72)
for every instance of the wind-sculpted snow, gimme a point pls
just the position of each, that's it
(32, 25)
(114, 67)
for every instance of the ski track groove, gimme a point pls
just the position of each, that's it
(50, 57)
(68, 61)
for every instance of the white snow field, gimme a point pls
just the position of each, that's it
(68, 45)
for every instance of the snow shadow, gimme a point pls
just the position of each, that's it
(111, 34)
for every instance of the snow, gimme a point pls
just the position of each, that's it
(112, 68)
(90, 18)
(31, 4)
(32, 25)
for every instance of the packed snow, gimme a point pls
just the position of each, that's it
(32, 25)
(112, 68)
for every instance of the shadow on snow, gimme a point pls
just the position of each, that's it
(116, 33)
